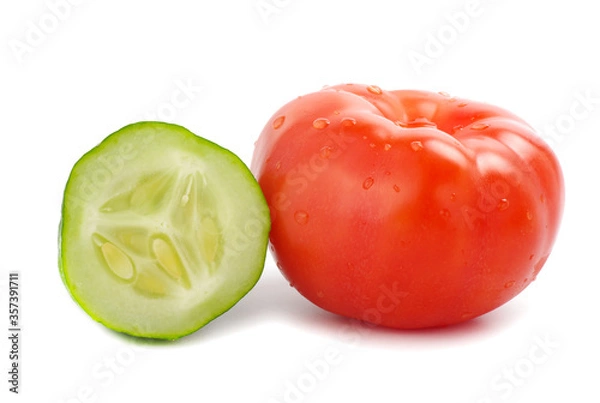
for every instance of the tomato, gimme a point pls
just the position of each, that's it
(407, 209)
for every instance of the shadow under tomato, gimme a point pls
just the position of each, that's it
(273, 301)
(479, 328)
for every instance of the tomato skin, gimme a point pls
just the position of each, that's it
(407, 209)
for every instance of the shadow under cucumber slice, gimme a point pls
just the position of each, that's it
(161, 232)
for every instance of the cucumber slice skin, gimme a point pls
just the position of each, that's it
(197, 299)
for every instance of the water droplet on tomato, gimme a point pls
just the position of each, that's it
(301, 217)
(529, 215)
(480, 126)
(336, 112)
(539, 264)
(418, 122)
(416, 145)
(461, 104)
(278, 122)
(373, 89)
(453, 196)
(503, 204)
(397, 188)
(325, 152)
(348, 122)
(321, 123)
(444, 94)
(445, 213)
(387, 146)
(372, 145)
(368, 183)
(457, 128)
(278, 165)
(509, 284)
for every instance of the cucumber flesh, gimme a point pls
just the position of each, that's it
(161, 231)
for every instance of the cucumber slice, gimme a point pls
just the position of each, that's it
(161, 231)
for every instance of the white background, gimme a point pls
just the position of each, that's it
(73, 73)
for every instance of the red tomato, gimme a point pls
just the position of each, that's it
(407, 209)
